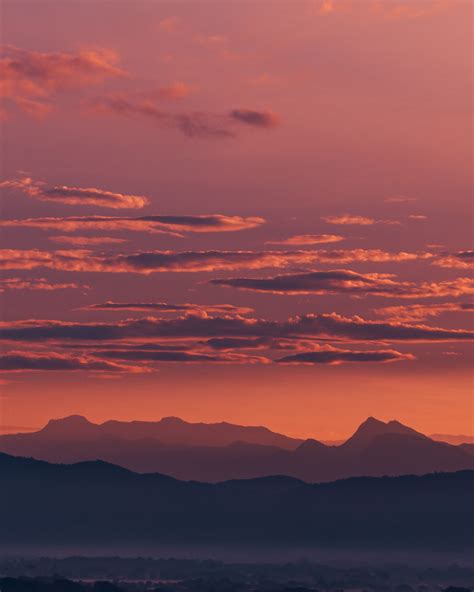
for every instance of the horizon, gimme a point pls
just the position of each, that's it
(199, 221)
(367, 420)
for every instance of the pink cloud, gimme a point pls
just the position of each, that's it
(29, 78)
(419, 312)
(151, 224)
(35, 284)
(75, 195)
(354, 284)
(21, 361)
(147, 262)
(349, 219)
(87, 240)
(308, 239)
(335, 356)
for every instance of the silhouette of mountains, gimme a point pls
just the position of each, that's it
(169, 430)
(453, 439)
(43, 503)
(218, 452)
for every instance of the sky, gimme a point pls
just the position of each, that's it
(254, 212)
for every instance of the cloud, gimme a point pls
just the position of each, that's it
(349, 219)
(87, 240)
(310, 326)
(333, 356)
(151, 224)
(192, 124)
(146, 262)
(174, 91)
(76, 195)
(195, 124)
(139, 355)
(185, 261)
(459, 260)
(35, 284)
(255, 118)
(325, 6)
(399, 199)
(417, 217)
(308, 239)
(29, 78)
(230, 343)
(348, 282)
(167, 307)
(365, 255)
(420, 312)
(15, 361)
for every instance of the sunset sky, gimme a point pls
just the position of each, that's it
(257, 212)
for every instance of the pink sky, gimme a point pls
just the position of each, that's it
(258, 123)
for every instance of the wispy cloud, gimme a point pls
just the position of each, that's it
(459, 260)
(150, 224)
(161, 307)
(420, 312)
(195, 124)
(36, 284)
(75, 195)
(310, 326)
(30, 78)
(353, 220)
(16, 361)
(308, 239)
(84, 241)
(349, 282)
(399, 199)
(334, 356)
(182, 261)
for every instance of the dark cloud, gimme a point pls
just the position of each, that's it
(420, 312)
(151, 224)
(168, 307)
(185, 261)
(21, 361)
(150, 261)
(229, 343)
(348, 282)
(254, 118)
(144, 355)
(335, 356)
(310, 326)
(195, 124)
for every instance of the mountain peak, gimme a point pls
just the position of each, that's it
(70, 427)
(372, 427)
(172, 420)
(70, 420)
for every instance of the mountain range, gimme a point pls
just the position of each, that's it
(43, 503)
(223, 451)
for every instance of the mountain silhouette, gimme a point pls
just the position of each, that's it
(453, 439)
(371, 428)
(169, 430)
(43, 503)
(218, 452)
